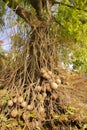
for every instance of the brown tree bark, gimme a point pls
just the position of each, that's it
(31, 19)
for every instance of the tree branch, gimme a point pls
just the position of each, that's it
(31, 19)
(70, 6)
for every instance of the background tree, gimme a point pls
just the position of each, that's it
(49, 34)
(69, 19)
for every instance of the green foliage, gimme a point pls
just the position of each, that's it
(73, 29)
(79, 59)
(2, 12)
(71, 21)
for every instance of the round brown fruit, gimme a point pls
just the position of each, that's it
(50, 73)
(58, 81)
(10, 103)
(38, 88)
(43, 71)
(54, 85)
(20, 99)
(54, 96)
(41, 110)
(30, 107)
(14, 112)
(15, 99)
(44, 95)
(46, 75)
(48, 88)
(25, 116)
(24, 104)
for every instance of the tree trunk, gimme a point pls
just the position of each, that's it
(42, 50)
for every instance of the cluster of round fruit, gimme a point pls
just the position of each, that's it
(53, 80)
(20, 101)
(40, 94)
